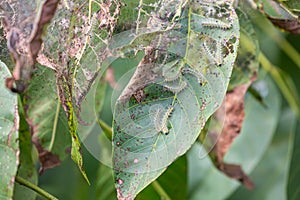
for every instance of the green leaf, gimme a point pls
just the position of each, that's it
(293, 5)
(293, 191)
(177, 86)
(47, 120)
(105, 185)
(176, 173)
(271, 173)
(164, 187)
(247, 149)
(26, 168)
(9, 145)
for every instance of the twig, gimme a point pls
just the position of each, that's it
(35, 188)
(291, 97)
(160, 191)
(290, 51)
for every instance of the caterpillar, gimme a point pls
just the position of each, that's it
(197, 74)
(161, 120)
(172, 71)
(208, 53)
(215, 3)
(176, 88)
(215, 23)
(217, 58)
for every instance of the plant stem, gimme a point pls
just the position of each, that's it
(285, 87)
(290, 51)
(34, 188)
(160, 191)
(54, 125)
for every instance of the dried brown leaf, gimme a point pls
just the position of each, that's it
(47, 159)
(45, 15)
(24, 48)
(290, 25)
(235, 114)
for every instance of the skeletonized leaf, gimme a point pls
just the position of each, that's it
(75, 49)
(177, 86)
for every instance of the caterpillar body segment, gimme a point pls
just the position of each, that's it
(215, 23)
(161, 118)
(213, 51)
(172, 71)
(176, 88)
(197, 74)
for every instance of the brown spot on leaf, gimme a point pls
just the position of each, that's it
(139, 95)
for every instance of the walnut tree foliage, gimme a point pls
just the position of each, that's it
(193, 90)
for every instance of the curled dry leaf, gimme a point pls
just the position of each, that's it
(234, 104)
(25, 47)
(281, 15)
(290, 25)
(47, 159)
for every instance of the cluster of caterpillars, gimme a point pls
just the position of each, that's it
(217, 14)
(214, 13)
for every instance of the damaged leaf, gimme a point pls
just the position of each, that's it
(176, 87)
(65, 95)
(24, 39)
(246, 65)
(247, 149)
(46, 118)
(281, 16)
(244, 73)
(9, 145)
(234, 105)
(26, 168)
(44, 16)
(76, 54)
